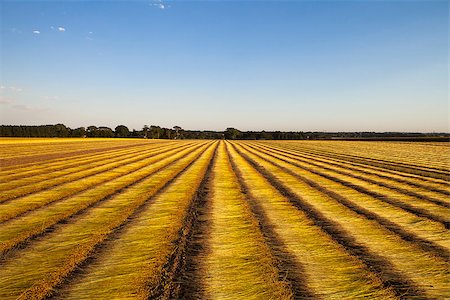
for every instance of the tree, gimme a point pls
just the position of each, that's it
(178, 130)
(79, 132)
(61, 130)
(105, 132)
(232, 134)
(145, 130)
(92, 131)
(122, 131)
(155, 132)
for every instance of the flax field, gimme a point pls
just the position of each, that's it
(201, 219)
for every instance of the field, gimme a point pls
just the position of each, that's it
(167, 219)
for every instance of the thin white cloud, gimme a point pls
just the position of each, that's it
(36, 32)
(159, 4)
(23, 107)
(90, 36)
(19, 106)
(15, 89)
(9, 89)
(61, 29)
(5, 101)
(51, 97)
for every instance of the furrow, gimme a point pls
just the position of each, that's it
(289, 268)
(21, 205)
(139, 251)
(428, 235)
(412, 272)
(36, 270)
(180, 277)
(333, 155)
(312, 250)
(426, 192)
(238, 264)
(18, 149)
(15, 232)
(46, 167)
(14, 162)
(398, 168)
(70, 175)
(190, 277)
(386, 152)
(417, 207)
(34, 175)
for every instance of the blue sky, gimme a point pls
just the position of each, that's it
(253, 65)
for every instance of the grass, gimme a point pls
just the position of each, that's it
(236, 247)
(428, 273)
(19, 148)
(70, 244)
(330, 272)
(420, 226)
(130, 219)
(16, 188)
(37, 221)
(377, 177)
(440, 174)
(35, 173)
(18, 206)
(135, 260)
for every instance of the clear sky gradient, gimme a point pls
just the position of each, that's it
(253, 65)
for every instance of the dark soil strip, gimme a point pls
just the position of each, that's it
(42, 167)
(288, 267)
(329, 158)
(403, 287)
(151, 154)
(39, 170)
(22, 245)
(395, 163)
(6, 162)
(102, 248)
(424, 244)
(407, 192)
(399, 167)
(75, 194)
(407, 207)
(340, 159)
(182, 277)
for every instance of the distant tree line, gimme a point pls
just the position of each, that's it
(157, 132)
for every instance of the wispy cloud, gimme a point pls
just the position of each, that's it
(58, 28)
(159, 4)
(19, 106)
(5, 101)
(24, 107)
(15, 89)
(90, 36)
(6, 89)
(36, 32)
(11, 98)
(51, 97)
